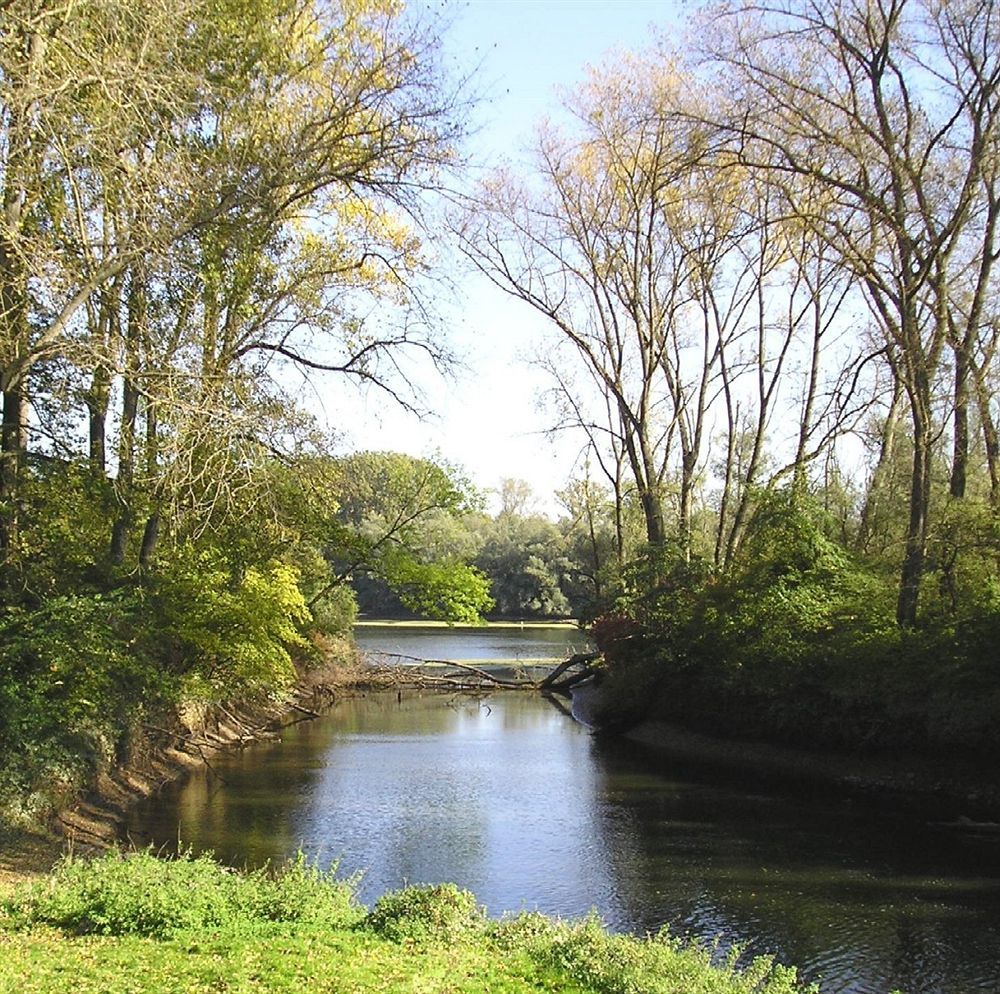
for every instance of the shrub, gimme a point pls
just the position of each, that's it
(230, 632)
(425, 914)
(72, 685)
(138, 893)
(661, 964)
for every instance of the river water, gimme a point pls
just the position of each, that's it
(511, 798)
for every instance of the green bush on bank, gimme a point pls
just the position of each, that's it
(425, 913)
(138, 893)
(797, 642)
(190, 924)
(79, 673)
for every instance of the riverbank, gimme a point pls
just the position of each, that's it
(165, 748)
(125, 923)
(953, 792)
(565, 624)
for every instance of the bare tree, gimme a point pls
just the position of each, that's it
(892, 109)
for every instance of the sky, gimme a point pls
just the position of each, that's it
(486, 419)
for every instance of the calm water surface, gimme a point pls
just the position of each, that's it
(513, 800)
(499, 644)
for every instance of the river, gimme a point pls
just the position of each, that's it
(511, 798)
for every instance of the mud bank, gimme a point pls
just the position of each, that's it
(950, 791)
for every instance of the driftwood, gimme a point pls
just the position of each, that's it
(582, 659)
(483, 675)
(550, 684)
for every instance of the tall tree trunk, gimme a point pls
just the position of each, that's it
(991, 437)
(151, 532)
(686, 502)
(122, 527)
(13, 446)
(883, 466)
(960, 442)
(124, 484)
(98, 399)
(914, 553)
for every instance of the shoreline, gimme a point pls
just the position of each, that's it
(93, 822)
(565, 623)
(945, 791)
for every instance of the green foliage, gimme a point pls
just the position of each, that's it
(386, 489)
(433, 913)
(60, 544)
(230, 635)
(129, 921)
(71, 687)
(139, 893)
(798, 642)
(335, 611)
(397, 528)
(447, 591)
(792, 590)
(524, 556)
(626, 964)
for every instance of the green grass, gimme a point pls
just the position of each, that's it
(134, 924)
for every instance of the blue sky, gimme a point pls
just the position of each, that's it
(487, 419)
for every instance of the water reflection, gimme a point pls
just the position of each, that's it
(863, 901)
(509, 644)
(513, 800)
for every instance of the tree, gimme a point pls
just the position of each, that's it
(891, 109)
(387, 503)
(206, 194)
(589, 251)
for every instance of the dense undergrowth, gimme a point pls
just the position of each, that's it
(797, 643)
(130, 922)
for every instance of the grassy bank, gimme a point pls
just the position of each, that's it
(124, 924)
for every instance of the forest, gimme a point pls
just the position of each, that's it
(767, 267)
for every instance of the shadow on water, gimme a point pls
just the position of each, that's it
(861, 899)
(516, 802)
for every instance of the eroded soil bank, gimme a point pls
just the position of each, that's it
(948, 790)
(164, 749)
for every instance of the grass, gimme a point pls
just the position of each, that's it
(136, 924)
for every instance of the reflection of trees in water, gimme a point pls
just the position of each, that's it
(843, 894)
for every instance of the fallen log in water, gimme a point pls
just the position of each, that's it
(483, 675)
(582, 659)
(551, 683)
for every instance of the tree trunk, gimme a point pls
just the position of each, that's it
(124, 485)
(912, 570)
(991, 438)
(13, 445)
(98, 398)
(686, 501)
(150, 535)
(960, 443)
(886, 456)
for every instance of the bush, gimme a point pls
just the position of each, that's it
(425, 914)
(138, 893)
(626, 964)
(72, 685)
(230, 633)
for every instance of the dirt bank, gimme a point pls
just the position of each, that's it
(163, 749)
(945, 789)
